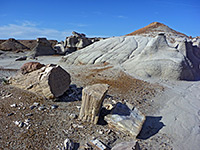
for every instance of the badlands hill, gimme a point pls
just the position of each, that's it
(144, 55)
(13, 44)
(155, 27)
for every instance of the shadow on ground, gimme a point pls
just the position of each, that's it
(74, 93)
(151, 126)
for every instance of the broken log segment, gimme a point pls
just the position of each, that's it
(92, 99)
(49, 81)
(125, 119)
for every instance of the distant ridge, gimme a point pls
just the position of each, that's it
(155, 27)
(12, 45)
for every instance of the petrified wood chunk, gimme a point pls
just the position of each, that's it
(50, 81)
(125, 119)
(132, 145)
(92, 99)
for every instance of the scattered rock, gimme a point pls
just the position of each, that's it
(78, 107)
(133, 145)
(13, 105)
(9, 95)
(98, 145)
(68, 144)
(28, 127)
(19, 123)
(92, 99)
(108, 131)
(86, 146)
(72, 94)
(10, 114)
(31, 66)
(29, 114)
(73, 116)
(36, 104)
(41, 108)
(127, 120)
(32, 107)
(21, 104)
(101, 132)
(108, 106)
(77, 126)
(27, 120)
(54, 106)
(21, 58)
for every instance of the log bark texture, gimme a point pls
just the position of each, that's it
(92, 99)
(50, 81)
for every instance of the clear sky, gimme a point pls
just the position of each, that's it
(56, 19)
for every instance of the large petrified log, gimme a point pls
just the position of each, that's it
(50, 81)
(92, 99)
(126, 119)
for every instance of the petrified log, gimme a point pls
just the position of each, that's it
(126, 119)
(50, 81)
(92, 99)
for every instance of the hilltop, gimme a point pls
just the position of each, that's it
(154, 28)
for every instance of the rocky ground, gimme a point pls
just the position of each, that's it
(47, 123)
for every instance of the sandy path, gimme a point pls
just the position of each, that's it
(7, 60)
(181, 114)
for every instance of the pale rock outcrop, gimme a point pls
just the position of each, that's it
(143, 57)
(191, 51)
(49, 81)
(157, 59)
(76, 34)
(92, 99)
(126, 119)
(77, 41)
(113, 50)
(43, 47)
(196, 42)
(59, 48)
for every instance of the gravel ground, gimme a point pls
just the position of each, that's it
(48, 128)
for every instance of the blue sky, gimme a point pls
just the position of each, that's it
(29, 19)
